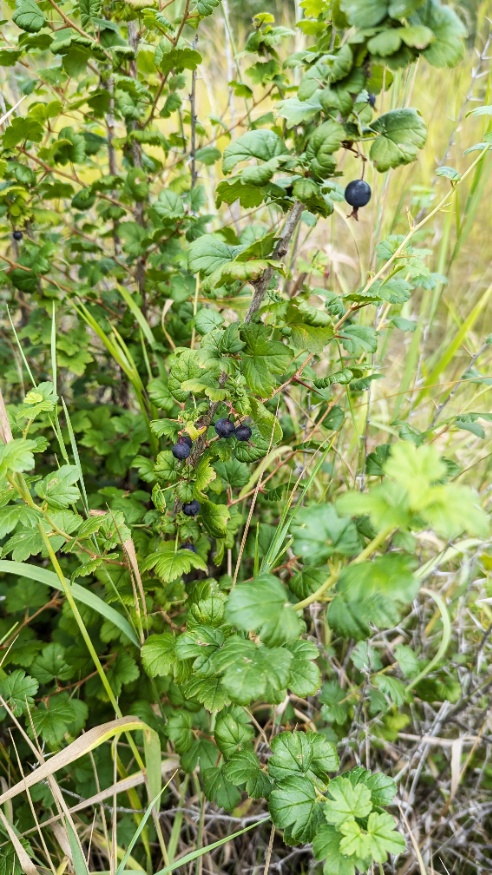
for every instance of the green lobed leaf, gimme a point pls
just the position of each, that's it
(401, 133)
(158, 654)
(345, 801)
(292, 804)
(18, 690)
(261, 144)
(302, 753)
(28, 16)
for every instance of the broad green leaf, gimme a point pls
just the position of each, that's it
(254, 603)
(18, 690)
(169, 563)
(58, 488)
(312, 337)
(335, 707)
(407, 660)
(454, 509)
(266, 422)
(210, 692)
(215, 518)
(169, 205)
(386, 42)
(365, 13)
(355, 841)
(251, 671)
(383, 788)
(89, 9)
(21, 129)
(200, 642)
(28, 16)
(158, 654)
(262, 358)
(447, 49)
(14, 514)
(292, 803)
(320, 533)
(307, 581)
(302, 753)
(242, 767)
(392, 688)
(206, 320)
(209, 252)
(51, 664)
(206, 7)
(177, 59)
(233, 732)
(345, 801)
(401, 133)
(261, 144)
(219, 789)
(323, 142)
(298, 112)
(371, 593)
(326, 846)
(16, 456)
(304, 676)
(204, 474)
(416, 469)
(418, 36)
(235, 271)
(379, 840)
(53, 720)
(179, 729)
(248, 195)
(358, 338)
(24, 544)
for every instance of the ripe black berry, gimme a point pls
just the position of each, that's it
(17, 235)
(192, 508)
(224, 428)
(189, 547)
(371, 99)
(243, 432)
(181, 451)
(358, 193)
(185, 439)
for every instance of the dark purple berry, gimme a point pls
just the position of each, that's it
(192, 508)
(17, 235)
(358, 193)
(371, 99)
(181, 451)
(189, 547)
(224, 428)
(185, 439)
(243, 432)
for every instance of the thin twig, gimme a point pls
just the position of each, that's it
(261, 285)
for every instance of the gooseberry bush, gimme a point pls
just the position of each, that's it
(165, 551)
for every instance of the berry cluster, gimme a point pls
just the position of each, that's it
(226, 429)
(182, 449)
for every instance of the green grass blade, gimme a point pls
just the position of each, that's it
(84, 596)
(189, 858)
(139, 316)
(79, 863)
(138, 831)
(452, 347)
